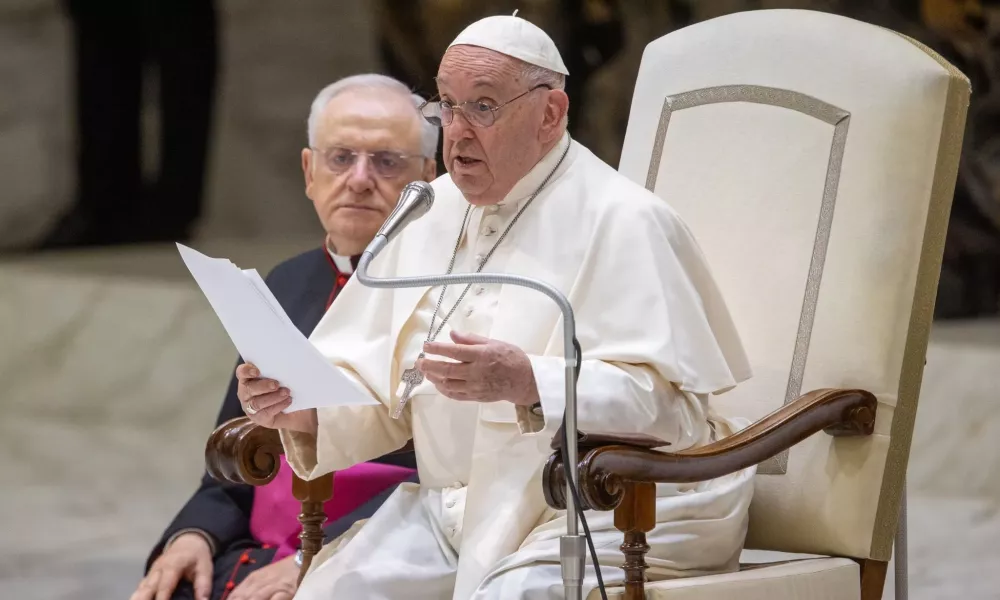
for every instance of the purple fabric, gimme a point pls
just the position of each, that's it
(274, 516)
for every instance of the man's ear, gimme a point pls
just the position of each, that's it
(430, 171)
(307, 171)
(556, 110)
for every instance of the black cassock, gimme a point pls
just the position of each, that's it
(304, 286)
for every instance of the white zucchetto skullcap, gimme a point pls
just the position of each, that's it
(515, 37)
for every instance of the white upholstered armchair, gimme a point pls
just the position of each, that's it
(814, 157)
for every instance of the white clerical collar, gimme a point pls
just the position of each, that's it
(343, 263)
(524, 188)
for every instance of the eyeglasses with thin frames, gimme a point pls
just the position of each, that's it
(441, 113)
(387, 164)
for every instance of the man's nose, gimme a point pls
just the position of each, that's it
(361, 177)
(460, 127)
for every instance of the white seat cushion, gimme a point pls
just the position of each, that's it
(801, 579)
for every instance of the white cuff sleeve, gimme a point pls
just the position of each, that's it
(550, 379)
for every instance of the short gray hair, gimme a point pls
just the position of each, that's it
(534, 75)
(428, 133)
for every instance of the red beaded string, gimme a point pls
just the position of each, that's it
(244, 560)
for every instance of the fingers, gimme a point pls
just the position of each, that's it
(467, 353)
(262, 391)
(147, 587)
(263, 592)
(203, 578)
(452, 388)
(249, 587)
(169, 577)
(266, 401)
(444, 370)
(247, 371)
(274, 410)
(269, 591)
(261, 387)
(468, 338)
(242, 590)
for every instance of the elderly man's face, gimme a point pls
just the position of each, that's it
(486, 162)
(354, 193)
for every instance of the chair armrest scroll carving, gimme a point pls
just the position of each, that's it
(240, 451)
(619, 459)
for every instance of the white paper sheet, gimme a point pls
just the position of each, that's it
(265, 336)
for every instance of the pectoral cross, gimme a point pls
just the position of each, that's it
(412, 377)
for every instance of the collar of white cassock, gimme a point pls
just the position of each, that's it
(524, 188)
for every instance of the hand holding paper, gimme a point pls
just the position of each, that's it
(265, 336)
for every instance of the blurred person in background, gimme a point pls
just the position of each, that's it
(117, 44)
(366, 142)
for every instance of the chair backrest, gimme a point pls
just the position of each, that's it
(814, 157)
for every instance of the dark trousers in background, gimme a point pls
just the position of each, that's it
(116, 44)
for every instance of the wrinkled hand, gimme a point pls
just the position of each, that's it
(263, 400)
(276, 581)
(487, 371)
(189, 557)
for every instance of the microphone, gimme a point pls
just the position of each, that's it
(414, 202)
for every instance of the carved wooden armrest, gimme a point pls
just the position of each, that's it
(240, 451)
(606, 465)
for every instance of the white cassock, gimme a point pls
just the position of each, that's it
(656, 339)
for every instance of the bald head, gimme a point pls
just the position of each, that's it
(486, 162)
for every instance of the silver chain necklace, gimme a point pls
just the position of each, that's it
(412, 377)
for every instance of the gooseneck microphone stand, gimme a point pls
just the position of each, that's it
(572, 546)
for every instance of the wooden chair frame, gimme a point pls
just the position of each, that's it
(240, 451)
(617, 473)
(621, 474)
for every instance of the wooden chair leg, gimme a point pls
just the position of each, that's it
(635, 516)
(872, 578)
(313, 495)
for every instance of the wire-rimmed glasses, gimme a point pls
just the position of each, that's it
(387, 164)
(441, 113)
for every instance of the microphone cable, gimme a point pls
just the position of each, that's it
(572, 484)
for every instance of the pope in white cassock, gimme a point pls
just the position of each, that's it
(520, 197)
